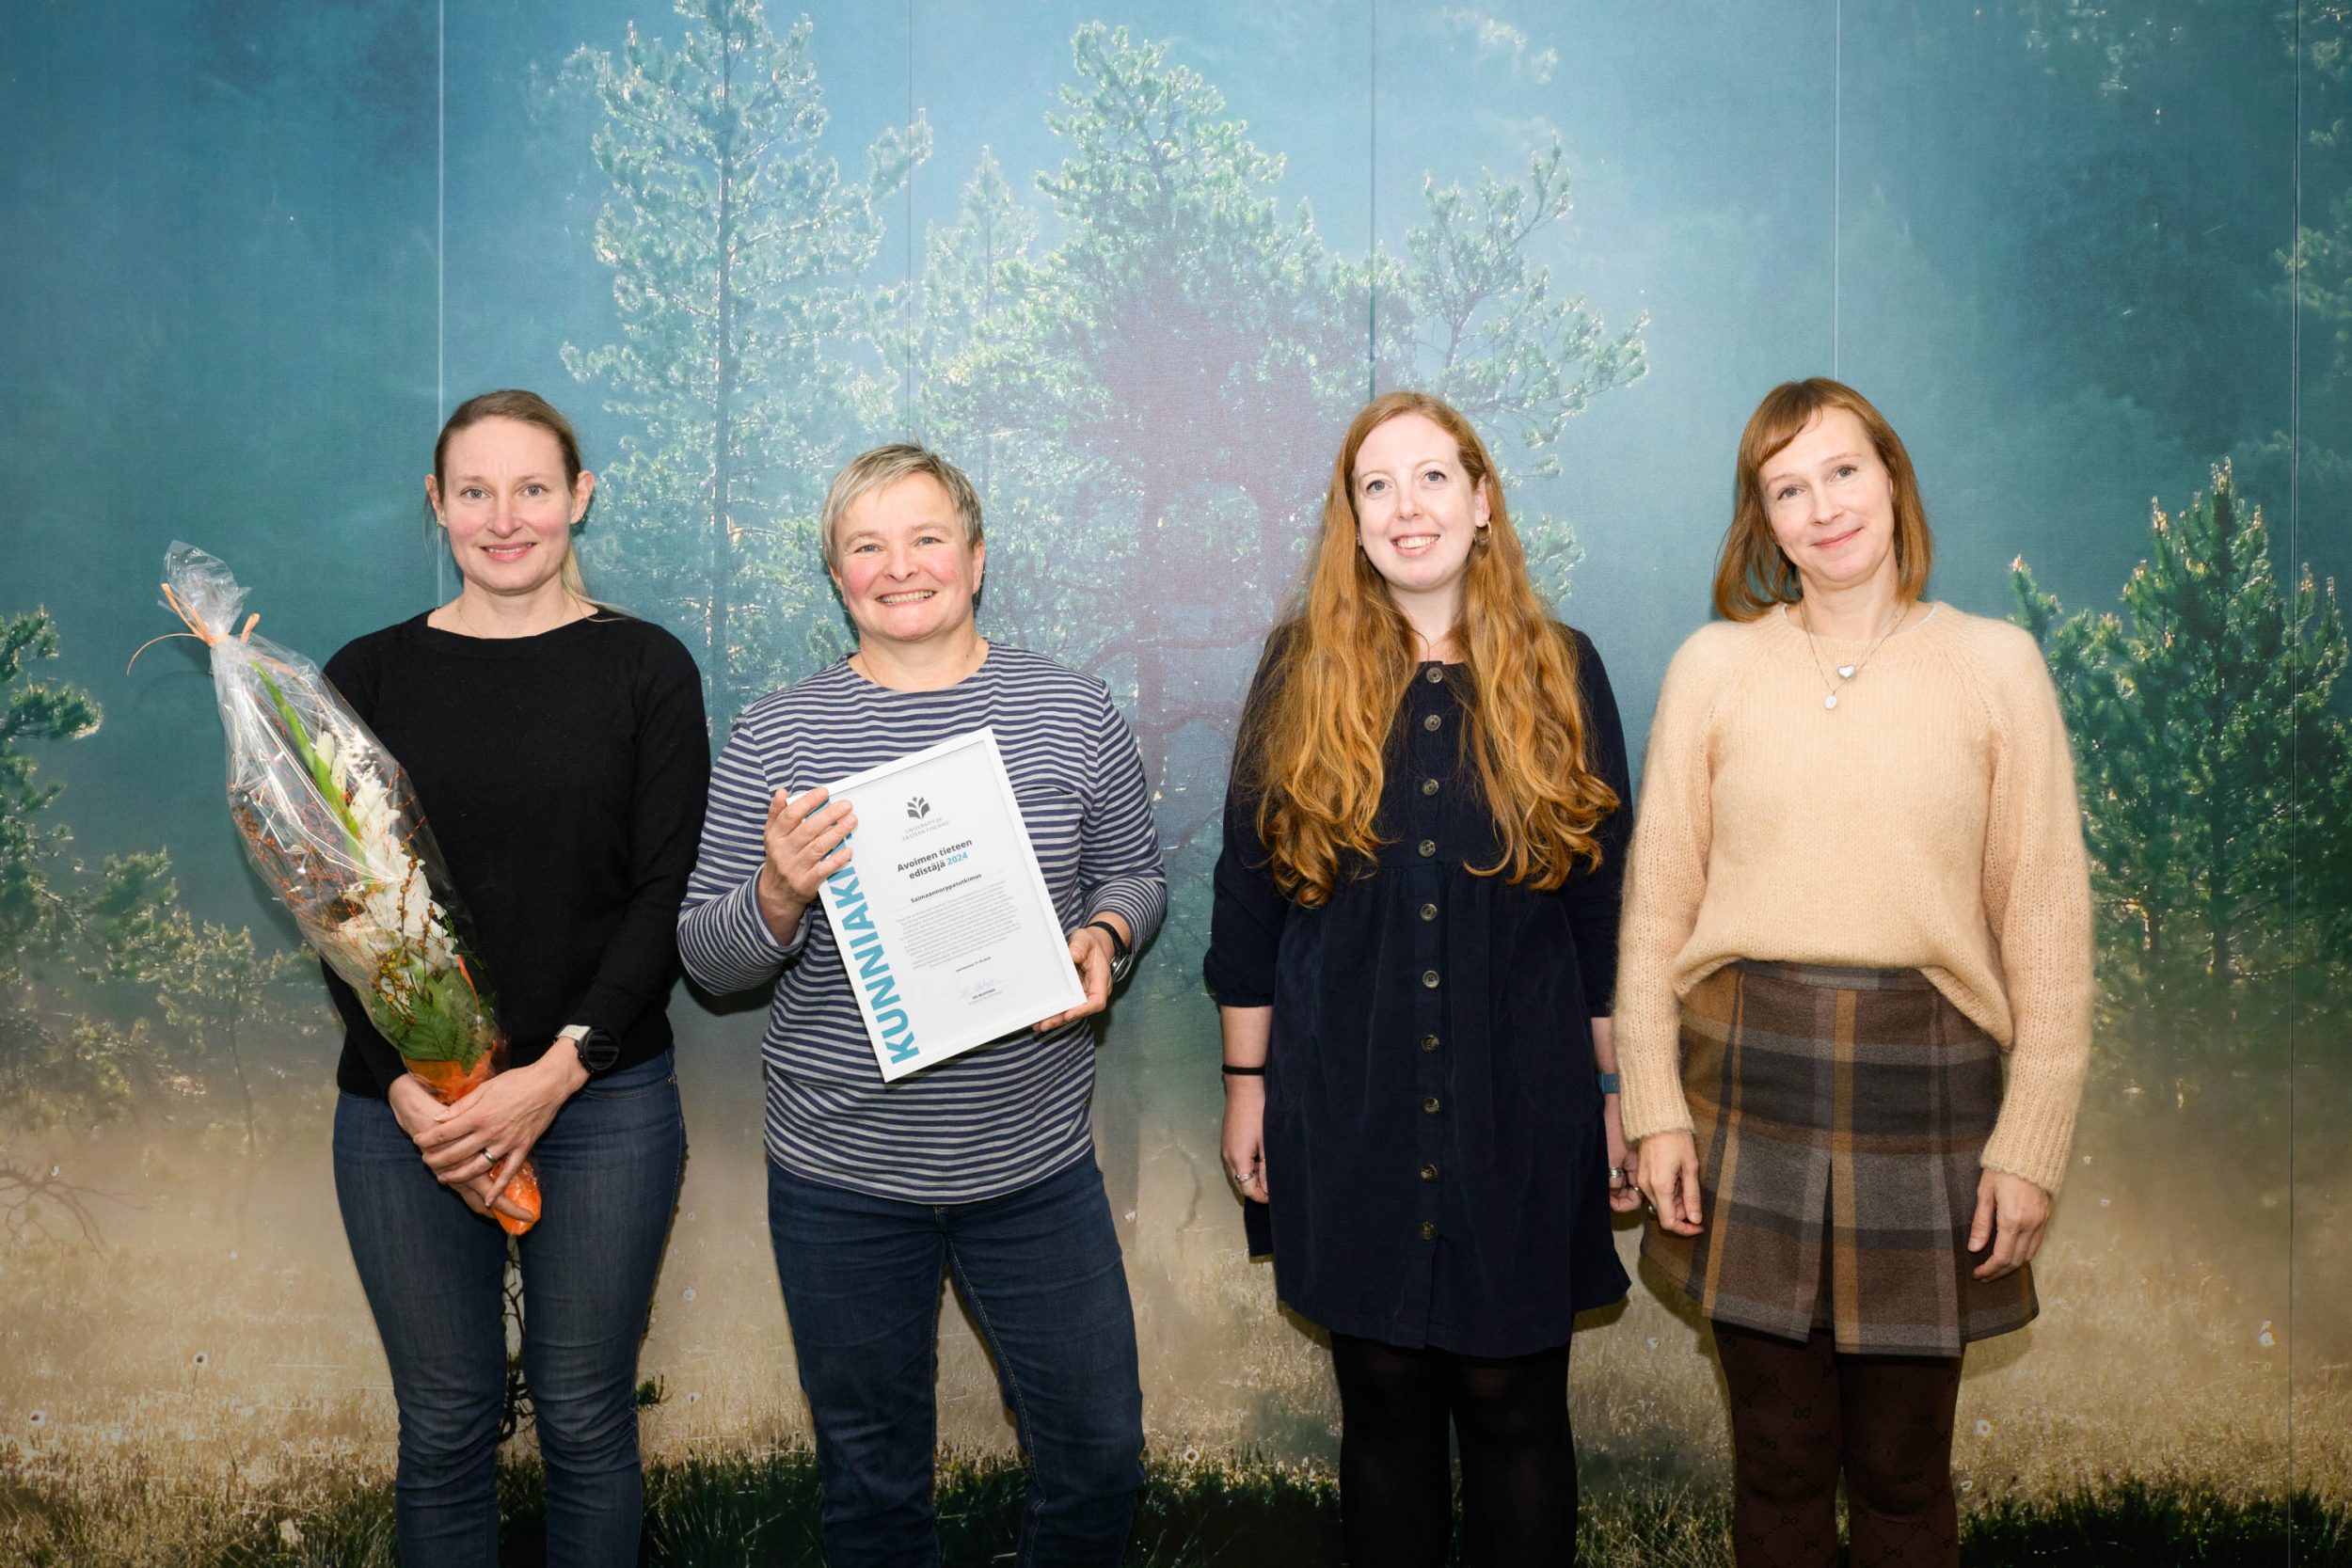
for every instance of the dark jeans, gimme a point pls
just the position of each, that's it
(1039, 1270)
(609, 1168)
(1800, 1415)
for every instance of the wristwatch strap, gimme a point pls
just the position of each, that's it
(1122, 954)
(597, 1048)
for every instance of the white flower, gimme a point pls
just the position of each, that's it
(397, 911)
(1984, 1428)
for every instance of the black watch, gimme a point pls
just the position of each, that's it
(597, 1048)
(1123, 953)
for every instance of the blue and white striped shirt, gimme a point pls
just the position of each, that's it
(994, 1119)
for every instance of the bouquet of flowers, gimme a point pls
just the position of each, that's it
(330, 822)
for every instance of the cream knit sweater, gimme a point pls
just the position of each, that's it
(1928, 822)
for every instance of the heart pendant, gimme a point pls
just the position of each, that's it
(1830, 701)
(1846, 671)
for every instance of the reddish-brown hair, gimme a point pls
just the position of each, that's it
(1751, 575)
(1313, 748)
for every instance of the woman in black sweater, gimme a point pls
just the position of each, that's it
(560, 753)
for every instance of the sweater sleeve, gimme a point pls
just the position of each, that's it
(2037, 900)
(1248, 911)
(1665, 881)
(723, 937)
(1593, 898)
(672, 777)
(1119, 847)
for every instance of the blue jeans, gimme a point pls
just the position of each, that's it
(1039, 1270)
(609, 1167)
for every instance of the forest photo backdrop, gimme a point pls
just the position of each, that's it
(1134, 266)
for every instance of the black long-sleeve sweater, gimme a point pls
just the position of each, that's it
(564, 777)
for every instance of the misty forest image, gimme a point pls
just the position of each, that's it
(1134, 269)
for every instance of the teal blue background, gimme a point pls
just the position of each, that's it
(255, 249)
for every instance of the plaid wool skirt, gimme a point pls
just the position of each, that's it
(1840, 1113)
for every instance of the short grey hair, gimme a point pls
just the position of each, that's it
(880, 468)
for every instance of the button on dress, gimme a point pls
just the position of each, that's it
(1433, 1127)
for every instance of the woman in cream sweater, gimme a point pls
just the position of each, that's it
(1854, 1000)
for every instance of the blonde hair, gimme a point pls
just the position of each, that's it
(1313, 747)
(884, 466)
(529, 408)
(1751, 575)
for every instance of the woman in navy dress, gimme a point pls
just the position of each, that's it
(1413, 945)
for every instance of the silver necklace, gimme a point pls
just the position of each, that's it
(1846, 673)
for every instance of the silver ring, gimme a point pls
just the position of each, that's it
(489, 1159)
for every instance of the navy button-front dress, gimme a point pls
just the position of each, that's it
(1433, 1129)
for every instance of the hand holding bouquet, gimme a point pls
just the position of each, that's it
(329, 819)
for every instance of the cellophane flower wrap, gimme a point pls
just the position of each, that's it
(328, 817)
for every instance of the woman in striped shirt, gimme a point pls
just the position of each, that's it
(982, 1166)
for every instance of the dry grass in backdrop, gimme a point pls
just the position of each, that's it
(208, 1387)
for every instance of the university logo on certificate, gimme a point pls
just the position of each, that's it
(941, 917)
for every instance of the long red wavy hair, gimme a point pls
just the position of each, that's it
(1314, 746)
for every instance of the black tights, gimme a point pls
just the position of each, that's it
(1510, 1415)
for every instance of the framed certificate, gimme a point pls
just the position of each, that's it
(945, 929)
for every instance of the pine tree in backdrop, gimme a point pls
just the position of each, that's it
(737, 249)
(2212, 771)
